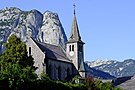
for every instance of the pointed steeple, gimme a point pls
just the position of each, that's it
(74, 36)
(74, 48)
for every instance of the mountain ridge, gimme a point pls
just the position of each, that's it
(31, 23)
(115, 68)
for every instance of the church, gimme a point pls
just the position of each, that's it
(59, 63)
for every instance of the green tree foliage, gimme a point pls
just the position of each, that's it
(15, 64)
(16, 52)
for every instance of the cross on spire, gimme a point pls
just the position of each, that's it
(74, 8)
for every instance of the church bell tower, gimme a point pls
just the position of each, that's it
(74, 49)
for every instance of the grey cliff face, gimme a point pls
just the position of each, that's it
(45, 28)
(52, 31)
(20, 23)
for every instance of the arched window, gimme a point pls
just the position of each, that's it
(68, 72)
(59, 73)
(29, 51)
(50, 71)
(55, 72)
(72, 47)
(69, 47)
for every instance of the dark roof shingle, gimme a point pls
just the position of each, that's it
(53, 52)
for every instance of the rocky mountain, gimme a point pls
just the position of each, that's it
(115, 68)
(91, 72)
(42, 27)
(52, 31)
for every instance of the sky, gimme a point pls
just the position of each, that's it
(106, 26)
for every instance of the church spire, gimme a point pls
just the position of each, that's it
(74, 36)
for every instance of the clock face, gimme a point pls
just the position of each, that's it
(71, 53)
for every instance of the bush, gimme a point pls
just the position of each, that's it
(92, 84)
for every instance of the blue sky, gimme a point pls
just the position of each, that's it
(106, 26)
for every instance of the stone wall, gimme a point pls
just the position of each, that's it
(38, 56)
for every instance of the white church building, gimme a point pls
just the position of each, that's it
(58, 63)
